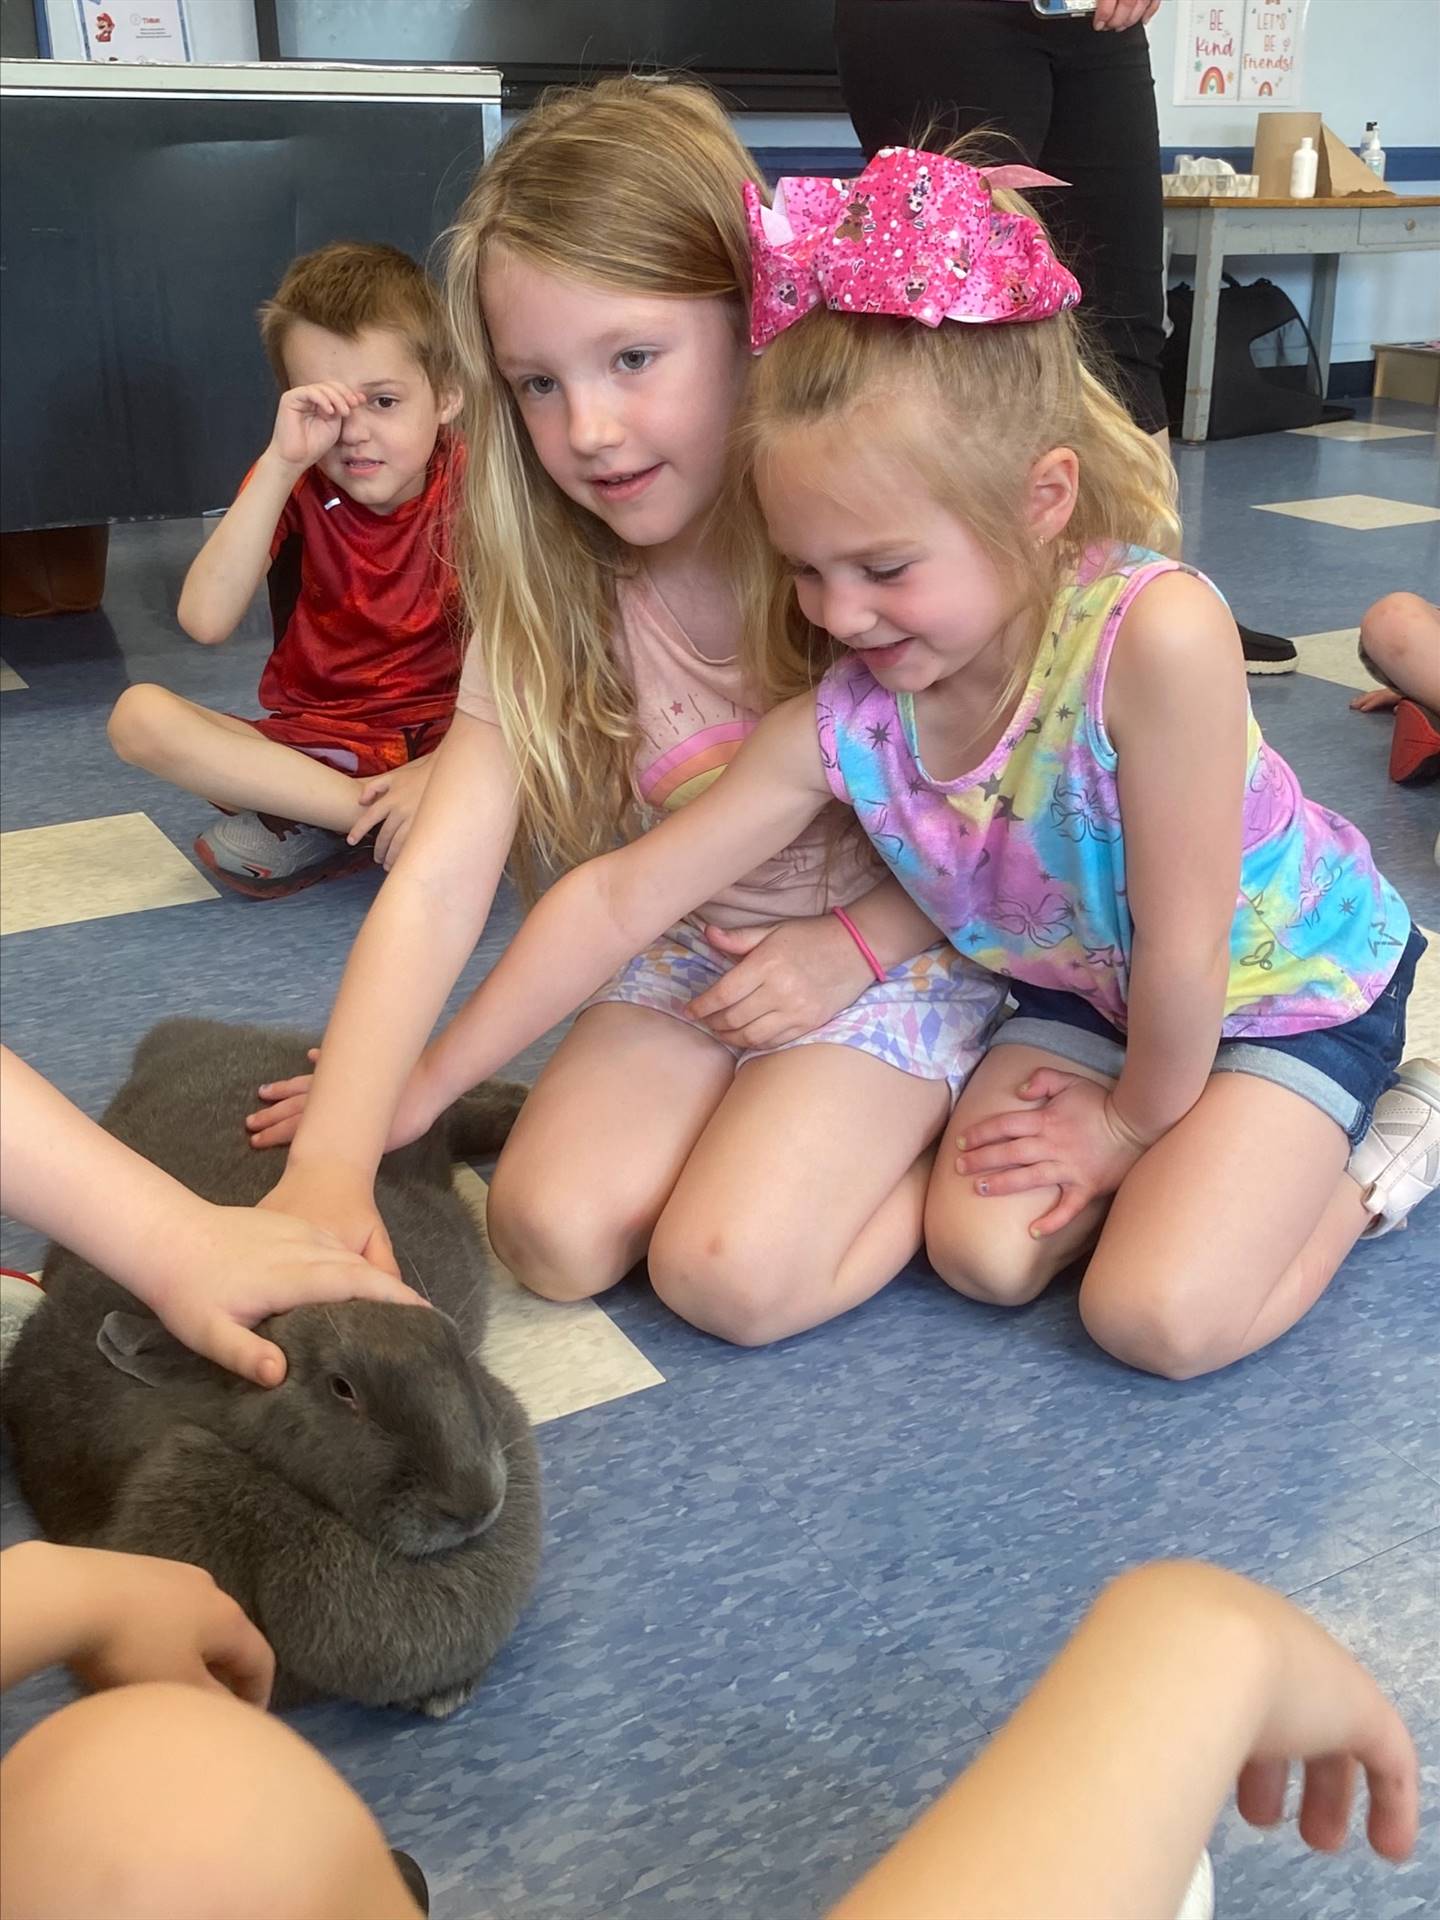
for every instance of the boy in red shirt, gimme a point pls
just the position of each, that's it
(347, 510)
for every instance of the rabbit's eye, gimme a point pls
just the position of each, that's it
(342, 1389)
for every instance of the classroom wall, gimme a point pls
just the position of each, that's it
(1363, 60)
(220, 30)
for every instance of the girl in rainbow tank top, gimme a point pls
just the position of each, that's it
(1041, 724)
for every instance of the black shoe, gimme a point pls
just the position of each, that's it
(1267, 652)
(414, 1879)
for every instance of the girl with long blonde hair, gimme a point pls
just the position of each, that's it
(598, 283)
(1041, 724)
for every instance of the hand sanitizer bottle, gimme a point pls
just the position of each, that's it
(1303, 169)
(1371, 151)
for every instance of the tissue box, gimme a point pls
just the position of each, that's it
(1200, 186)
(1206, 178)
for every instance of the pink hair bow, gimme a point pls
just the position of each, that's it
(916, 235)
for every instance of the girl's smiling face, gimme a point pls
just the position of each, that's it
(628, 398)
(879, 564)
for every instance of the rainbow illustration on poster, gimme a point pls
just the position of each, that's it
(683, 774)
(1212, 81)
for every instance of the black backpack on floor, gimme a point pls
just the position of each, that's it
(1245, 398)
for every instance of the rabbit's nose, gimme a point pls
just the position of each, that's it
(475, 1504)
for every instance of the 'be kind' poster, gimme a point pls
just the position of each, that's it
(1238, 50)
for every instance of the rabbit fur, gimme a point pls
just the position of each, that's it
(378, 1514)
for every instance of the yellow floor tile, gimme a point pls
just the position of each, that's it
(1363, 512)
(1422, 1023)
(1361, 430)
(10, 681)
(90, 870)
(1332, 656)
(557, 1359)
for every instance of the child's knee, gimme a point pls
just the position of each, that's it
(723, 1281)
(126, 1802)
(1392, 628)
(990, 1259)
(84, 1832)
(552, 1242)
(1151, 1328)
(137, 723)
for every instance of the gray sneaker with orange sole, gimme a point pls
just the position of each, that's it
(263, 856)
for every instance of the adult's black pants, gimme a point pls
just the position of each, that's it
(1077, 103)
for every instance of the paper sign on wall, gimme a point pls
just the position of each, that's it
(1207, 51)
(1270, 52)
(1229, 50)
(114, 30)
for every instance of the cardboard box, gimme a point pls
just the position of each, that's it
(1408, 370)
(1341, 174)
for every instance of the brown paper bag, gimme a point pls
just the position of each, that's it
(1340, 174)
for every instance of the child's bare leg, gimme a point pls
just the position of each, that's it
(223, 760)
(1212, 1251)
(1401, 635)
(161, 1802)
(981, 1245)
(804, 1195)
(599, 1145)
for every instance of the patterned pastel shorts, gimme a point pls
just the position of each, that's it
(932, 1016)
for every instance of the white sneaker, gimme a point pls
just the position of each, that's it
(1398, 1161)
(1199, 1902)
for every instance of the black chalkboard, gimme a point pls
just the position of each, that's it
(139, 236)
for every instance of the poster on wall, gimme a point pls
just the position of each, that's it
(1270, 52)
(1207, 51)
(1238, 50)
(111, 30)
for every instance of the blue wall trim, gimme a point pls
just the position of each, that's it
(1402, 163)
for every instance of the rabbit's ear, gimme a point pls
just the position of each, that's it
(138, 1345)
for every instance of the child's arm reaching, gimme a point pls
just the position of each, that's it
(225, 573)
(117, 1619)
(415, 939)
(600, 915)
(1099, 1794)
(209, 1273)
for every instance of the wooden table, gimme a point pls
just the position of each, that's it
(1210, 228)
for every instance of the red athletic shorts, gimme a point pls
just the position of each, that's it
(357, 753)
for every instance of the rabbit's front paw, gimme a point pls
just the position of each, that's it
(439, 1706)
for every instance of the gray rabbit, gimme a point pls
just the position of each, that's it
(377, 1515)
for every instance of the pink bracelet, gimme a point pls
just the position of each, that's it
(855, 934)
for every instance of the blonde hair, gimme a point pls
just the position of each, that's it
(968, 409)
(633, 184)
(352, 285)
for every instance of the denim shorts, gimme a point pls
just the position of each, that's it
(1341, 1070)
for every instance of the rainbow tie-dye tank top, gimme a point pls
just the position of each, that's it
(1021, 861)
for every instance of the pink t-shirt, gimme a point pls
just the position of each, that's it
(692, 724)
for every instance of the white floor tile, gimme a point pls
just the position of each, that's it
(1361, 430)
(1332, 656)
(1363, 512)
(90, 870)
(10, 681)
(557, 1359)
(1422, 1024)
